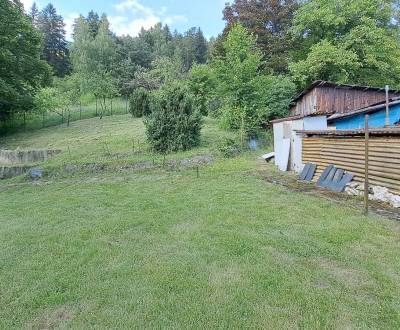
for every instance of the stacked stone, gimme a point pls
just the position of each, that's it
(376, 193)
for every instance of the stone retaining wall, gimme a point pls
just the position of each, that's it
(8, 157)
(7, 172)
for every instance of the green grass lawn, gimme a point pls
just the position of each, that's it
(165, 249)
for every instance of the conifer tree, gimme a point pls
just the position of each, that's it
(34, 14)
(55, 52)
(93, 21)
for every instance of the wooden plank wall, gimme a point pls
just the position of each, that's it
(349, 154)
(342, 100)
(306, 105)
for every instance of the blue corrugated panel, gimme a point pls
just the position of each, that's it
(376, 120)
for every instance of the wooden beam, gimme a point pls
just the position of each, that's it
(366, 182)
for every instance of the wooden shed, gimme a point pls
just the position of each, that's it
(346, 150)
(326, 97)
(322, 106)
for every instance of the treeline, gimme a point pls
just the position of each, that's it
(41, 71)
(268, 51)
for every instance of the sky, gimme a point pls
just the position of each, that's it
(127, 17)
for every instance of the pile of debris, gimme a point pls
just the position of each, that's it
(376, 193)
(338, 180)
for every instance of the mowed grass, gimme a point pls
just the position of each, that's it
(165, 249)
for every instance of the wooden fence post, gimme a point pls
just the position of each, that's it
(366, 183)
(387, 120)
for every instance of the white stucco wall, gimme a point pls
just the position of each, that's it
(278, 146)
(288, 130)
(296, 159)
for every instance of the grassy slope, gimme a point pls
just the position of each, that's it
(91, 140)
(166, 249)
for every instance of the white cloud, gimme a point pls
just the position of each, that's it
(122, 26)
(134, 6)
(135, 16)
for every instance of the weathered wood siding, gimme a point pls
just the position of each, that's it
(349, 154)
(340, 99)
(306, 105)
(343, 100)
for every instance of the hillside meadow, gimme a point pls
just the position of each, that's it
(120, 246)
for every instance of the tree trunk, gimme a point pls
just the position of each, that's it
(24, 120)
(43, 118)
(80, 110)
(96, 106)
(111, 107)
(103, 107)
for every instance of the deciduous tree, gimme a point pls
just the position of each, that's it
(93, 61)
(251, 97)
(22, 72)
(348, 41)
(270, 21)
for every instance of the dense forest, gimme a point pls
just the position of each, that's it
(268, 51)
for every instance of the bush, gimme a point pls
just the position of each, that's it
(174, 124)
(139, 103)
(230, 148)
